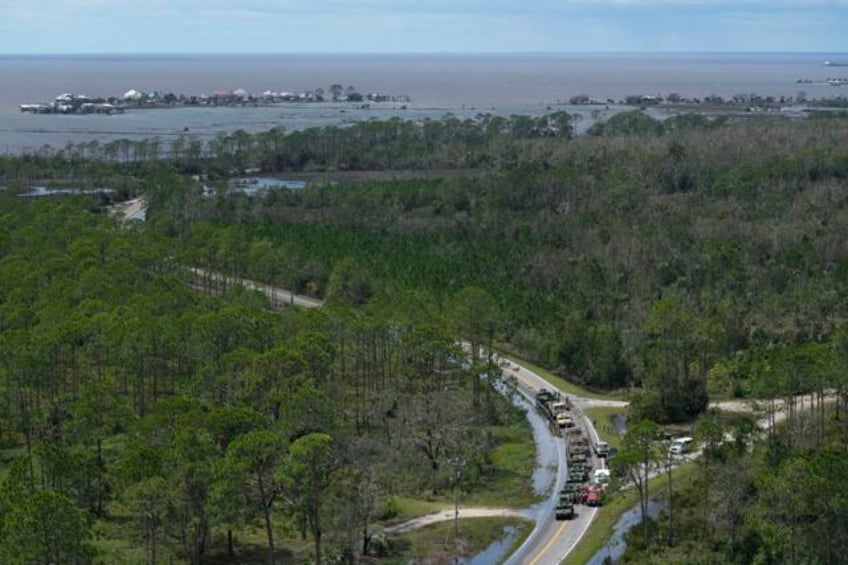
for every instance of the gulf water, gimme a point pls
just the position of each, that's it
(462, 84)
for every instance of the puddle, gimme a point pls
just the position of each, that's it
(547, 448)
(619, 422)
(615, 546)
(255, 185)
(496, 551)
(43, 191)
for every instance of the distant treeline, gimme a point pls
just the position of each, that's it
(486, 142)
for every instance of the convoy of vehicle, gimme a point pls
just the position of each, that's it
(584, 485)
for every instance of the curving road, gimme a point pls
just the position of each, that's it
(551, 541)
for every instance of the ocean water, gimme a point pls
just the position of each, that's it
(462, 84)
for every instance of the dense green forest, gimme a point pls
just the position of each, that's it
(676, 259)
(142, 421)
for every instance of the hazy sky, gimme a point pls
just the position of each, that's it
(290, 26)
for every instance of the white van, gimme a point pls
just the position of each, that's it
(681, 445)
(601, 477)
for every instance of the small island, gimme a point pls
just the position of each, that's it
(68, 103)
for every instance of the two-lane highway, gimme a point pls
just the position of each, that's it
(551, 541)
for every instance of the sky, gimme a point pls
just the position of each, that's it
(421, 26)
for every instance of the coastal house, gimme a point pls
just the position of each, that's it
(220, 97)
(133, 95)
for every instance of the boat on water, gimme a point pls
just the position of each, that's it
(834, 64)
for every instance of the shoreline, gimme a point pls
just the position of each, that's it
(76, 104)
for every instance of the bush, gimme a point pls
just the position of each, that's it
(389, 508)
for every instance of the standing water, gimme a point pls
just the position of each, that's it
(615, 546)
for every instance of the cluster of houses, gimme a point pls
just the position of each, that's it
(240, 96)
(74, 104)
(82, 104)
(834, 81)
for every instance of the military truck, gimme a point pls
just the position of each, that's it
(564, 511)
(571, 493)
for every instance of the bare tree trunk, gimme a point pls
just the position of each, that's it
(317, 535)
(670, 506)
(266, 510)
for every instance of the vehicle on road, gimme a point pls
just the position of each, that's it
(593, 495)
(564, 511)
(681, 445)
(577, 459)
(601, 477)
(572, 493)
(601, 449)
(575, 478)
(564, 420)
(579, 470)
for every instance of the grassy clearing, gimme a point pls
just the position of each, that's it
(562, 384)
(437, 542)
(507, 484)
(602, 528)
(602, 417)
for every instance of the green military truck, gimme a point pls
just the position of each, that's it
(564, 511)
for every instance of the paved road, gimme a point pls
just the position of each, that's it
(277, 295)
(551, 542)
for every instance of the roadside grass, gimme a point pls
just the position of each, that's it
(602, 527)
(436, 543)
(562, 384)
(506, 484)
(602, 417)
(513, 461)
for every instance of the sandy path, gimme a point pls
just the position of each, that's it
(447, 515)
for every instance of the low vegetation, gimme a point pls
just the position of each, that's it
(439, 543)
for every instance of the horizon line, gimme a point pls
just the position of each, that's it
(408, 53)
